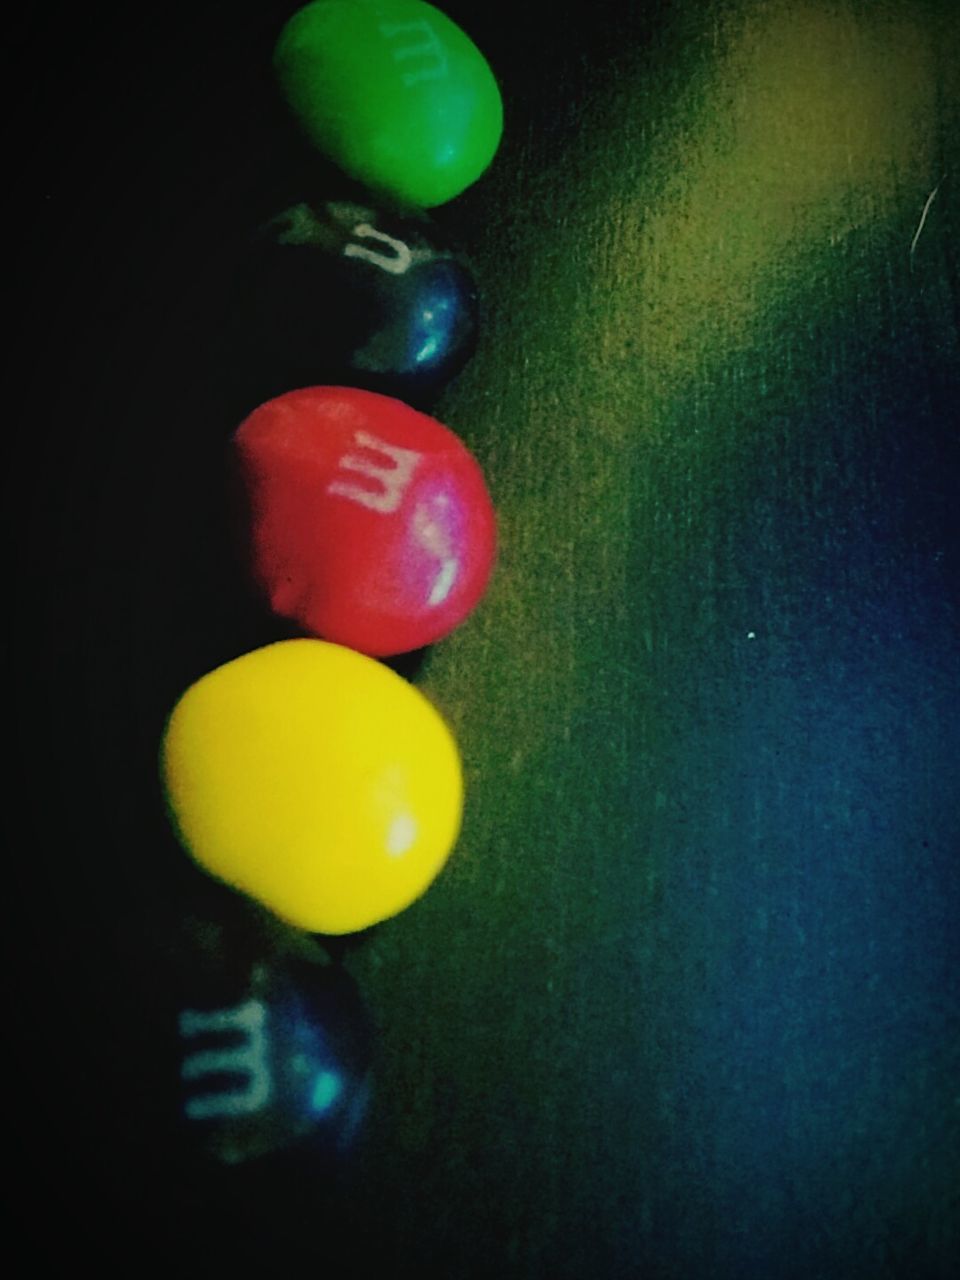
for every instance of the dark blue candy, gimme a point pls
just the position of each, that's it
(274, 1056)
(339, 293)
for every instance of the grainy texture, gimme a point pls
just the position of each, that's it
(685, 1001)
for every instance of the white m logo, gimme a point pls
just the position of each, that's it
(397, 261)
(429, 49)
(391, 476)
(249, 1059)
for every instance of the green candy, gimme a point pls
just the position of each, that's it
(394, 93)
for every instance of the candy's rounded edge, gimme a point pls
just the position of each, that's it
(164, 771)
(314, 925)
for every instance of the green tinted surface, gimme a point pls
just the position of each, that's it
(394, 93)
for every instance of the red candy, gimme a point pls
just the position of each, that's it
(369, 523)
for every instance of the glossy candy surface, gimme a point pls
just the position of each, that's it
(339, 292)
(394, 93)
(274, 1056)
(369, 523)
(315, 780)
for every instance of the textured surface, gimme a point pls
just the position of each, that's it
(684, 1002)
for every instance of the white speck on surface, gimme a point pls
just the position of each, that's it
(923, 217)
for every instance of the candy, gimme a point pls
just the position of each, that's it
(277, 1058)
(316, 781)
(345, 293)
(369, 524)
(394, 93)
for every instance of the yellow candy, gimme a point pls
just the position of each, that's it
(315, 780)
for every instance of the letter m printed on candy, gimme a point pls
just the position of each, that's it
(385, 480)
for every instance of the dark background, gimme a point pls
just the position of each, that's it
(684, 1002)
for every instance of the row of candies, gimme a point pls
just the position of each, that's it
(307, 774)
